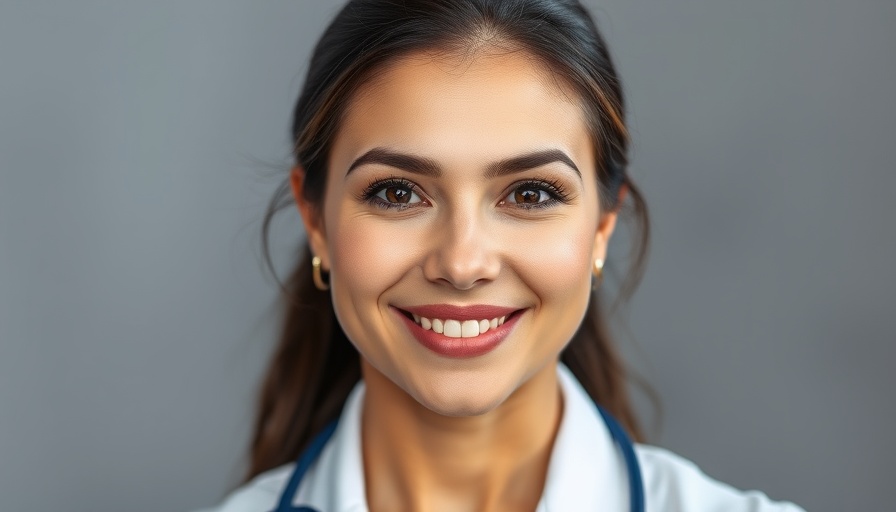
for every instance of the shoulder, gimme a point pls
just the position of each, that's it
(675, 484)
(259, 495)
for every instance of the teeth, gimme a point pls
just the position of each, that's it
(452, 329)
(459, 328)
(469, 328)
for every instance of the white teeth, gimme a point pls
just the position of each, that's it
(452, 329)
(458, 328)
(469, 328)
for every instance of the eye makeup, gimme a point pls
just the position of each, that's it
(372, 193)
(388, 193)
(554, 188)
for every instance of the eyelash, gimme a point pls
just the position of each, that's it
(369, 194)
(553, 187)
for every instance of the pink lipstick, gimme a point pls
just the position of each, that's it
(459, 347)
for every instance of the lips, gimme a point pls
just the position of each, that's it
(472, 312)
(459, 344)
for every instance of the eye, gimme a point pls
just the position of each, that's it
(393, 193)
(536, 194)
(529, 196)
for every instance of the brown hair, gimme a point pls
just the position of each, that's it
(314, 366)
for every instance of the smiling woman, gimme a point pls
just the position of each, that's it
(460, 166)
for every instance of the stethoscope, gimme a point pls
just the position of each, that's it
(635, 484)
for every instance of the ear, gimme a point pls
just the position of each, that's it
(312, 217)
(606, 225)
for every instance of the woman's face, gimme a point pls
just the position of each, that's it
(460, 191)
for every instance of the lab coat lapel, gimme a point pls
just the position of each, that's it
(587, 470)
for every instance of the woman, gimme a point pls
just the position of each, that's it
(460, 166)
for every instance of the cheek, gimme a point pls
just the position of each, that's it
(558, 261)
(369, 255)
(558, 270)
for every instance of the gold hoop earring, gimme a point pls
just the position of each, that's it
(316, 274)
(598, 273)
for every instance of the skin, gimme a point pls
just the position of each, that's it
(441, 433)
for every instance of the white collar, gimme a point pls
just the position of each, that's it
(586, 471)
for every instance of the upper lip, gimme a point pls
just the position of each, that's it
(448, 311)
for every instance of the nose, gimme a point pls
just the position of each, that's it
(463, 252)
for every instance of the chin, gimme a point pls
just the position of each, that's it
(460, 397)
(459, 407)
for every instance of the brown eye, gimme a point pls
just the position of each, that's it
(536, 194)
(526, 196)
(397, 195)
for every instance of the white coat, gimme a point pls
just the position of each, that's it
(586, 472)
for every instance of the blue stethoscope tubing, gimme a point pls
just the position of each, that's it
(635, 482)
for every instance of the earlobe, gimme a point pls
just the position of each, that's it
(311, 217)
(604, 231)
(606, 225)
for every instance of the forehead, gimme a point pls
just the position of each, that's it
(463, 109)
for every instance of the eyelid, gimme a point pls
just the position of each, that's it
(370, 194)
(553, 187)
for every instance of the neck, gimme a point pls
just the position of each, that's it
(415, 459)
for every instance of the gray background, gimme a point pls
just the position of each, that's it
(139, 143)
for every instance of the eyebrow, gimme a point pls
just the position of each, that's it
(428, 167)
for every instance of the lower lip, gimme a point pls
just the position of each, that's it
(461, 347)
